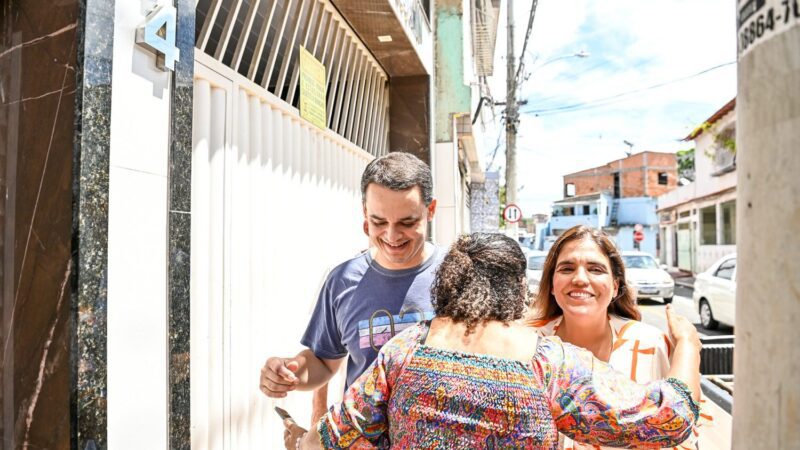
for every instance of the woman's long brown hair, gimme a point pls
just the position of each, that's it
(624, 305)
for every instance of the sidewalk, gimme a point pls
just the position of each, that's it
(682, 277)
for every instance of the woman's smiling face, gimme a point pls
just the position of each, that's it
(583, 284)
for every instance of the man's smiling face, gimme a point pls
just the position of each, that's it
(397, 224)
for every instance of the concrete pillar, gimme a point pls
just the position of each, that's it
(766, 407)
(720, 223)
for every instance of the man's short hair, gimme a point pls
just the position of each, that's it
(398, 171)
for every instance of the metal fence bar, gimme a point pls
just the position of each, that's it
(376, 100)
(341, 82)
(356, 86)
(384, 142)
(352, 93)
(290, 51)
(319, 35)
(363, 102)
(273, 55)
(376, 148)
(227, 30)
(359, 101)
(261, 42)
(306, 35)
(241, 43)
(208, 25)
(338, 55)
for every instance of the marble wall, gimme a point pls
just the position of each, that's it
(485, 204)
(56, 61)
(179, 228)
(38, 48)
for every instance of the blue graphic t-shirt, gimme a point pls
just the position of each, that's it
(362, 305)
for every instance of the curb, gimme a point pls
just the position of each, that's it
(685, 284)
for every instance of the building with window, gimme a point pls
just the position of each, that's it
(698, 221)
(616, 197)
(464, 52)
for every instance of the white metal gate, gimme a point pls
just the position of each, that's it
(275, 202)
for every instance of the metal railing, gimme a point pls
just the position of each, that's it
(412, 14)
(260, 39)
(716, 355)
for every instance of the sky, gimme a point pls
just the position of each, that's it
(634, 46)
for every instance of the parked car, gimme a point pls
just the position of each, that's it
(535, 265)
(715, 293)
(646, 276)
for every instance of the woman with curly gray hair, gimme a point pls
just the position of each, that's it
(470, 378)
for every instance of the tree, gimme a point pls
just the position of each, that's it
(686, 164)
(502, 195)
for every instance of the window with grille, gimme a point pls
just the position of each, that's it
(260, 39)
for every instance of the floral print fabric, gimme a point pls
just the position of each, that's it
(641, 352)
(415, 396)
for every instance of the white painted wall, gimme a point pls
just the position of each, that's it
(446, 189)
(137, 242)
(704, 184)
(276, 202)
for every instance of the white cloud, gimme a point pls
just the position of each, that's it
(634, 44)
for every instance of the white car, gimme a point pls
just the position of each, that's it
(715, 293)
(534, 273)
(648, 278)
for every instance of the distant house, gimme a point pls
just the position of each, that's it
(698, 221)
(617, 197)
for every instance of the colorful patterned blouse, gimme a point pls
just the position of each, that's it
(642, 352)
(420, 397)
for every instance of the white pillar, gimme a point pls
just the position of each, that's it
(137, 241)
(767, 363)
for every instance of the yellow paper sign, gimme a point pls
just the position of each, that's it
(312, 89)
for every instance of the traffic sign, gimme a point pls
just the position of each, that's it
(512, 213)
(638, 236)
(638, 227)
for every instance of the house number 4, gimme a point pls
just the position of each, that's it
(158, 35)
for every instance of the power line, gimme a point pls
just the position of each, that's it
(527, 37)
(596, 103)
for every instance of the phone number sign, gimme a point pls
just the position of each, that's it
(759, 20)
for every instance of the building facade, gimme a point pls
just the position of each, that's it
(645, 174)
(698, 221)
(466, 31)
(617, 197)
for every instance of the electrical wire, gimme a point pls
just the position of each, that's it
(525, 43)
(604, 101)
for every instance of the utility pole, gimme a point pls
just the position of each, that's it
(767, 224)
(511, 115)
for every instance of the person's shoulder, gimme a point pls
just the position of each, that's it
(351, 269)
(439, 252)
(435, 258)
(633, 329)
(545, 327)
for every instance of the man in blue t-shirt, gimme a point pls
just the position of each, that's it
(368, 299)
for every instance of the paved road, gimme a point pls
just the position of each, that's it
(653, 313)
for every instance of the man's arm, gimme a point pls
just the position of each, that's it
(304, 372)
(319, 404)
